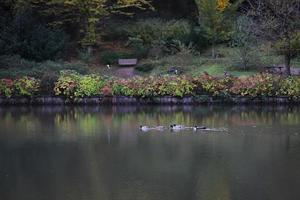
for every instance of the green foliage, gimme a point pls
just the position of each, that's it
(139, 50)
(15, 66)
(290, 87)
(111, 57)
(293, 48)
(89, 85)
(147, 67)
(214, 85)
(150, 30)
(176, 86)
(85, 56)
(67, 83)
(245, 52)
(71, 85)
(256, 85)
(48, 80)
(26, 86)
(122, 87)
(27, 37)
(215, 19)
(160, 34)
(154, 86)
(199, 38)
(86, 13)
(6, 87)
(116, 31)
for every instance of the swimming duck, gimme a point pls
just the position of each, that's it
(145, 128)
(177, 127)
(148, 128)
(195, 128)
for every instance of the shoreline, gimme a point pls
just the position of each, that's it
(164, 100)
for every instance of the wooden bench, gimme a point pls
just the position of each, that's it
(128, 62)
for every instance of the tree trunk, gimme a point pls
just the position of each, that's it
(287, 60)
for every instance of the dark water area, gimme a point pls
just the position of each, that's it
(99, 153)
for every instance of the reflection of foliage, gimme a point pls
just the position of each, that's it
(76, 122)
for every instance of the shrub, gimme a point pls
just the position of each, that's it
(175, 86)
(26, 86)
(116, 31)
(107, 90)
(256, 85)
(156, 29)
(67, 83)
(214, 85)
(154, 86)
(139, 50)
(48, 80)
(161, 34)
(89, 85)
(122, 87)
(147, 67)
(15, 66)
(71, 85)
(85, 56)
(290, 87)
(6, 87)
(199, 38)
(111, 57)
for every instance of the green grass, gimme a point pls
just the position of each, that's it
(226, 62)
(197, 64)
(15, 66)
(219, 70)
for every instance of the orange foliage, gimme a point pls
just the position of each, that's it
(222, 5)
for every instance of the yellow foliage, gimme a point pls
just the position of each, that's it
(222, 5)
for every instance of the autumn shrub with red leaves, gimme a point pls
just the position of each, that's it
(214, 85)
(262, 84)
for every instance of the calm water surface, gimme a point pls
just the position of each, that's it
(96, 153)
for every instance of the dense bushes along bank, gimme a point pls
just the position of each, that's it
(72, 85)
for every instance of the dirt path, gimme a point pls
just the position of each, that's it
(125, 72)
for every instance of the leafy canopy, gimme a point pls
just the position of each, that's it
(86, 13)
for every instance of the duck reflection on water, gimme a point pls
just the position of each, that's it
(179, 128)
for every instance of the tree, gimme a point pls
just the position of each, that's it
(215, 16)
(86, 13)
(244, 43)
(278, 21)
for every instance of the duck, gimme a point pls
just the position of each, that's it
(195, 128)
(177, 127)
(148, 128)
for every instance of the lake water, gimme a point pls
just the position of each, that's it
(97, 153)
